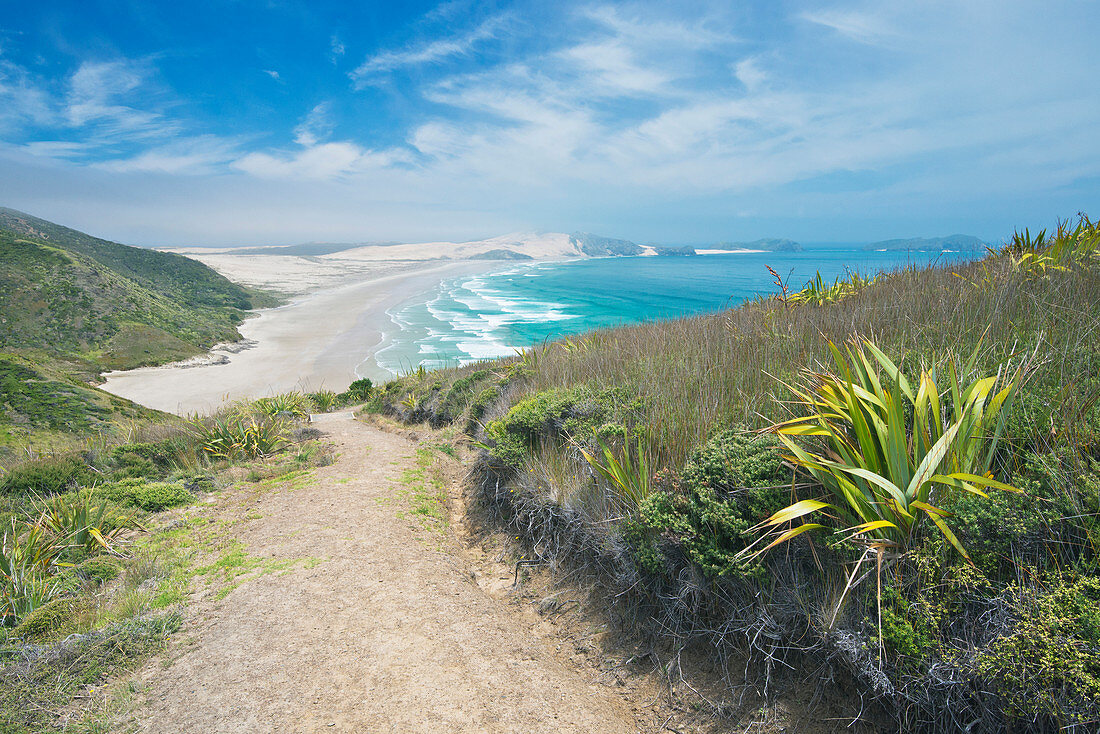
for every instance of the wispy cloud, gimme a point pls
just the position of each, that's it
(857, 25)
(336, 47)
(273, 74)
(96, 91)
(639, 108)
(205, 154)
(324, 161)
(315, 127)
(429, 52)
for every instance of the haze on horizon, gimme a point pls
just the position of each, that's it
(277, 122)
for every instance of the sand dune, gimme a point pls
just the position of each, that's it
(549, 246)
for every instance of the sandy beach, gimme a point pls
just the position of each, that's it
(317, 340)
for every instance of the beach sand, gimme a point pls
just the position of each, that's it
(315, 341)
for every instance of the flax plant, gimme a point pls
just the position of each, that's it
(628, 475)
(890, 451)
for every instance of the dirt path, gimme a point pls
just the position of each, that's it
(387, 633)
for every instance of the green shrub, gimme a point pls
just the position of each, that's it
(99, 568)
(558, 415)
(48, 475)
(458, 395)
(235, 436)
(359, 389)
(27, 553)
(484, 399)
(139, 460)
(1049, 664)
(324, 400)
(284, 405)
(150, 496)
(53, 618)
(725, 488)
(1049, 522)
(887, 446)
(82, 523)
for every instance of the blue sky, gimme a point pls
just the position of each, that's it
(246, 122)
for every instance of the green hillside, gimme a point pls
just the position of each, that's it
(72, 306)
(44, 408)
(118, 307)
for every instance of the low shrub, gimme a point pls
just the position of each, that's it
(284, 405)
(558, 415)
(53, 618)
(49, 676)
(99, 568)
(235, 436)
(82, 524)
(1048, 525)
(150, 496)
(47, 475)
(139, 460)
(358, 391)
(27, 553)
(727, 486)
(1048, 665)
(459, 395)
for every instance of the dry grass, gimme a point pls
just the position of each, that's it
(719, 369)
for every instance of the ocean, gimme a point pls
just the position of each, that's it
(493, 314)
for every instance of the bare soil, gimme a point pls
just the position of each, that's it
(397, 628)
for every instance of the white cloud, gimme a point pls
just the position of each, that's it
(95, 90)
(273, 74)
(856, 25)
(21, 101)
(336, 46)
(205, 154)
(612, 67)
(56, 148)
(749, 73)
(618, 106)
(315, 127)
(318, 162)
(438, 50)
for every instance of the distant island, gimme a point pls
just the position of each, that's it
(951, 243)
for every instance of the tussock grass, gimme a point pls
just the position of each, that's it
(721, 369)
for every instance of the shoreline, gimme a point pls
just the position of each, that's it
(322, 339)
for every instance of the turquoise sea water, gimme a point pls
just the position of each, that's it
(492, 314)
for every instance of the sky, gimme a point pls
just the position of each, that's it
(244, 122)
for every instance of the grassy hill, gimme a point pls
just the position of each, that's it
(45, 409)
(652, 460)
(115, 306)
(72, 306)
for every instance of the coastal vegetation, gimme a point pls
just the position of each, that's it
(73, 305)
(100, 549)
(889, 487)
